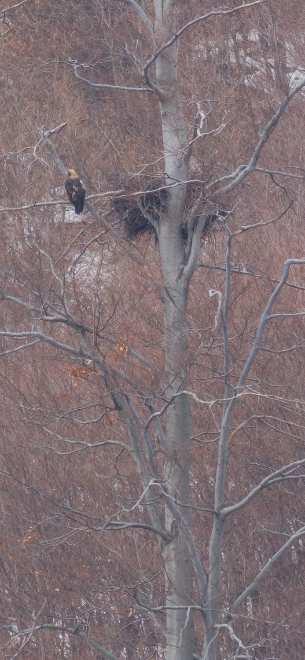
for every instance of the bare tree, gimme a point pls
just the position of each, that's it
(149, 414)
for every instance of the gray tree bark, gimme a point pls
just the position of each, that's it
(177, 561)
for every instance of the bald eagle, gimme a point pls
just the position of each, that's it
(75, 191)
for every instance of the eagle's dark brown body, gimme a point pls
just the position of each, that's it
(75, 191)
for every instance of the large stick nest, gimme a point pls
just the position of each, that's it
(141, 214)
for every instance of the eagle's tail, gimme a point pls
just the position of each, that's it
(79, 205)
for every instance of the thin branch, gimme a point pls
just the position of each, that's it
(157, 415)
(193, 507)
(12, 7)
(68, 321)
(244, 170)
(39, 336)
(241, 270)
(235, 638)
(265, 317)
(164, 608)
(60, 280)
(45, 140)
(18, 301)
(121, 88)
(194, 248)
(209, 645)
(266, 569)
(288, 349)
(74, 240)
(19, 348)
(30, 632)
(41, 314)
(85, 248)
(77, 630)
(87, 445)
(264, 170)
(273, 477)
(140, 498)
(142, 14)
(255, 225)
(187, 26)
(283, 315)
(118, 526)
(67, 510)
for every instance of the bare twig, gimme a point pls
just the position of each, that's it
(265, 317)
(240, 645)
(290, 175)
(30, 632)
(39, 336)
(278, 475)
(243, 171)
(76, 630)
(187, 26)
(19, 348)
(12, 7)
(266, 569)
(142, 14)
(255, 225)
(98, 85)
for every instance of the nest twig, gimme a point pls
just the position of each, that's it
(142, 215)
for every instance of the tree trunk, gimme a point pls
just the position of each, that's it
(177, 565)
(178, 433)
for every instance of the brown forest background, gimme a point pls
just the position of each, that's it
(56, 565)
